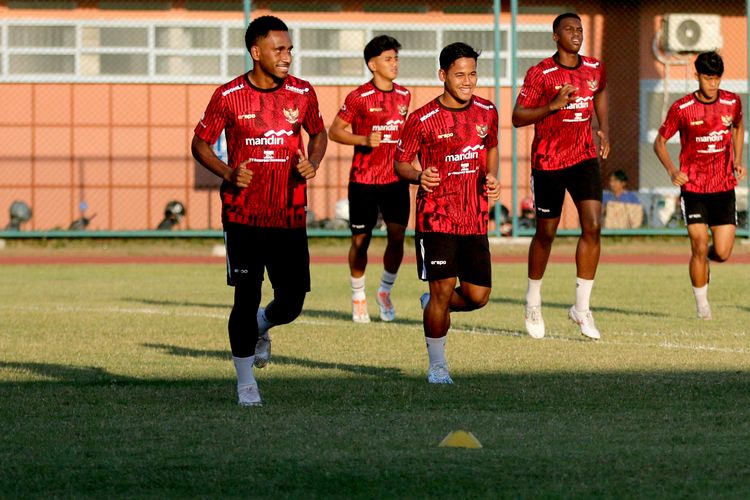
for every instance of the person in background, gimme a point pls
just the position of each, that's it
(618, 183)
(709, 121)
(375, 112)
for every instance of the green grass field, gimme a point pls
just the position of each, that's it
(117, 381)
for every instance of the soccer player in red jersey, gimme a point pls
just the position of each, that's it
(559, 97)
(263, 192)
(455, 139)
(375, 112)
(709, 121)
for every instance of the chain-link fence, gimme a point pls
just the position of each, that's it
(99, 98)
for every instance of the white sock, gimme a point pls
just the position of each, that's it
(263, 324)
(358, 287)
(583, 294)
(701, 295)
(387, 281)
(244, 368)
(534, 293)
(436, 349)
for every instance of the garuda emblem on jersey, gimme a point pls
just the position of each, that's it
(593, 85)
(726, 120)
(291, 115)
(482, 131)
(402, 110)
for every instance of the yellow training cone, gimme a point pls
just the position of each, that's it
(460, 439)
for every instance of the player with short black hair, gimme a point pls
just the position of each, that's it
(263, 193)
(560, 95)
(709, 121)
(375, 112)
(455, 139)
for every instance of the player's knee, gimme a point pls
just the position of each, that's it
(476, 299)
(285, 308)
(719, 254)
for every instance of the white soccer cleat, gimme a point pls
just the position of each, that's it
(248, 395)
(359, 311)
(704, 312)
(424, 300)
(534, 322)
(262, 351)
(263, 346)
(586, 321)
(387, 312)
(438, 374)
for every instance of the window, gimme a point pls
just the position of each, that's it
(214, 51)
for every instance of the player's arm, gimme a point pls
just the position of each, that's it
(493, 171)
(426, 179)
(601, 108)
(204, 154)
(316, 148)
(738, 139)
(339, 133)
(523, 115)
(660, 148)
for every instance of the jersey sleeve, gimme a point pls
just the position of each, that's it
(491, 139)
(348, 110)
(672, 124)
(602, 78)
(313, 122)
(411, 139)
(214, 119)
(530, 95)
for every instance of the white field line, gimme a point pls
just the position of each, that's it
(224, 316)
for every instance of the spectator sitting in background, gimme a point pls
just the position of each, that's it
(527, 220)
(622, 208)
(618, 181)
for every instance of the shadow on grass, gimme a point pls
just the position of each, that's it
(347, 316)
(86, 375)
(280, 360)
(566, 306)
(183, 303)
(330, 434)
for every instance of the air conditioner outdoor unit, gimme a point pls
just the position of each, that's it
(692, 32)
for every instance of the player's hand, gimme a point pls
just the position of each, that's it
(373, 140)
(603, 144)
(564, 97)
(429, 179)
(679, 178)
(739, 172)
(305, 167)
(241, 176)
(493, 188)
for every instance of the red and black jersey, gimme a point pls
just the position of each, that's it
(563, 139)
(455, 141)
(263, 126)
(369, 109)
(707, 155)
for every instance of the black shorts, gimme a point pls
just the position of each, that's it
(441, 256)
(583, 181)
(714, 209)
(283, 252)
(366, 199)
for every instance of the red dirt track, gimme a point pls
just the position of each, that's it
(52, 259)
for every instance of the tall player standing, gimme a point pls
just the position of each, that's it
(376, 112)
(559, 97)
(455, 138)
(709, 121)
(263, 192)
